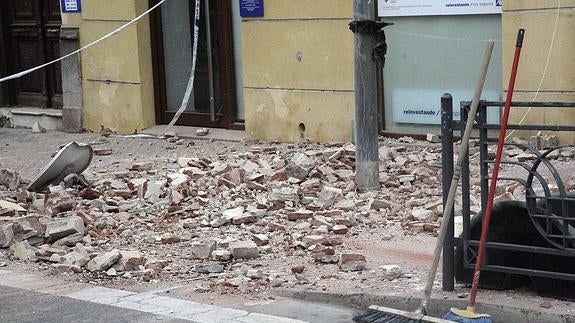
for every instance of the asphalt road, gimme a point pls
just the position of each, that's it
(18, 305)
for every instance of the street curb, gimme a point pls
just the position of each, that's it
(437, 307)
(143, 302)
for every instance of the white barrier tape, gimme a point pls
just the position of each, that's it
(26, 72)
(190, 87)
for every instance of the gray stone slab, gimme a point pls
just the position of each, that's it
(222, 315)
(93, 293)
(15, 279)
(264, 318)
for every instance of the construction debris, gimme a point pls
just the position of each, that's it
(267, 216)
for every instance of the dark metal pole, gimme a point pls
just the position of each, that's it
(446, 177)
(366, 123)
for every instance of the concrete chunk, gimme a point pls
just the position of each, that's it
(131, 260)
(391, 272)
(79, 257)
(352, 262)
(244, 250)
(300, 166)
(222, 255)
(62, 228)
(203, 250)
(6, 235)
(9, 178)
(209, 268)
(103, 261)
(22, 250)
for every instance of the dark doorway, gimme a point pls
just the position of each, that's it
(213, 99)
(31, 36)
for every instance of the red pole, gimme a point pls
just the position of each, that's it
(493, 184)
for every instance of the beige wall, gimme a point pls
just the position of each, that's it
(538, 20)
(117, 77)
(298, 69)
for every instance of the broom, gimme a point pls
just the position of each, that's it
(469, 315)
(384, 314)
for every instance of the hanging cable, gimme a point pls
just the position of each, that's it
(544, 70)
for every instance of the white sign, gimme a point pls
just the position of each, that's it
(423, 106)
(399, 8)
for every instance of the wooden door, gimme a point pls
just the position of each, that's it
(32, 29)
(213, 99)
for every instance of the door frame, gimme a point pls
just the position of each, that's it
(42, 30)
(3, 63)
(225, 60)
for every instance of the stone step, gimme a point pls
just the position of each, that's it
(25, 117)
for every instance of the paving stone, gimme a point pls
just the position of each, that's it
(218, 315)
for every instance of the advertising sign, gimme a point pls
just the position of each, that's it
(71, 6)
(400, 8)
(423, 106)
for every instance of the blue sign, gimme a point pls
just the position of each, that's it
(71, 6)
(252, 8)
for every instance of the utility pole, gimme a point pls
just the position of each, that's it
(366, 114)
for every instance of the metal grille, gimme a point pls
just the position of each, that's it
(547, 215)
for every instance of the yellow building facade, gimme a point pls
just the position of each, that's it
(297, 66)
(550, 32)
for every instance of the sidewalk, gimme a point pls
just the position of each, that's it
(161, 307)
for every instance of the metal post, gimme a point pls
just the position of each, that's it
(465, 185)
(446, 178)
(210, 62)
(366, 131)
(483, 155)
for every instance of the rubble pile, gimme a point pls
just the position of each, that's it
(265, 217)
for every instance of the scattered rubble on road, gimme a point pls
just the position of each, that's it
(269, 216)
